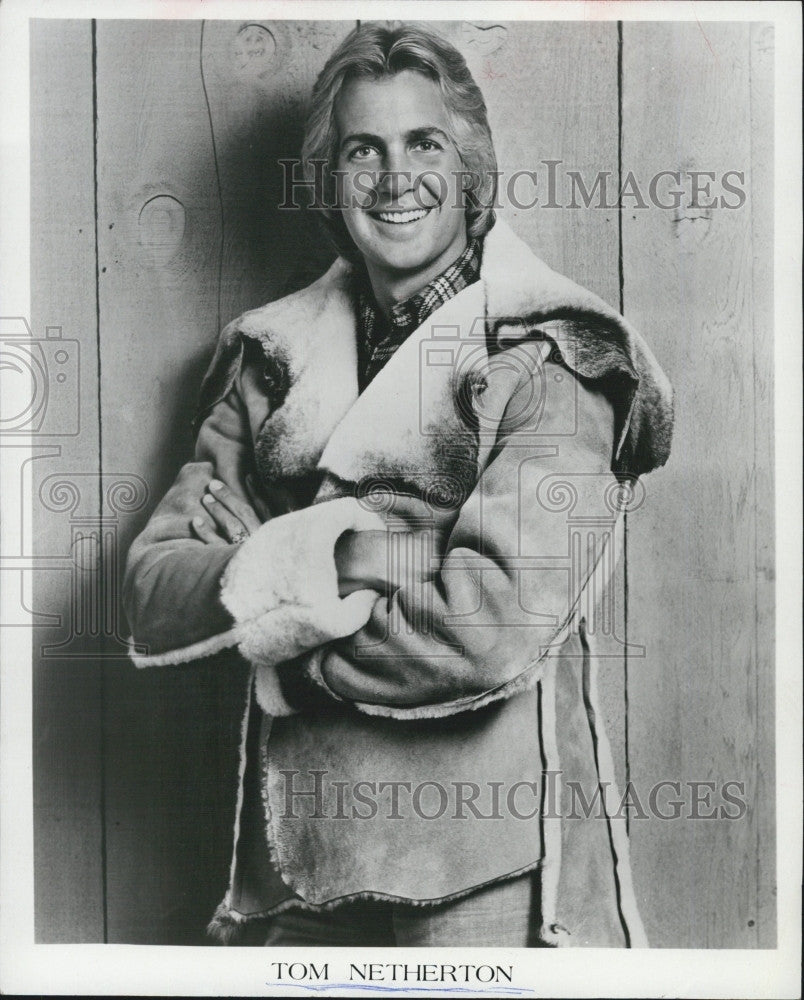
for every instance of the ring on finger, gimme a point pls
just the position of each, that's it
(238, 537)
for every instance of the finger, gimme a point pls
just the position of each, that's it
(206, 532)
(235, 505)
(232, 527)
(257, 502)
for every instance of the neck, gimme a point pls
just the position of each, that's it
(391, 286)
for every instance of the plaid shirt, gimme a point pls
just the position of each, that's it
(380, 336)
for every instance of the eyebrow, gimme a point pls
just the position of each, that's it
(415, 134)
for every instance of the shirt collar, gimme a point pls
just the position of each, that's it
(409, 315)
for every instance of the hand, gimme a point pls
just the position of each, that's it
(361, 560)
(364, 560)
(233, 519)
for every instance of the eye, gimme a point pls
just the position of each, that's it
(362, 152)
(428, 145)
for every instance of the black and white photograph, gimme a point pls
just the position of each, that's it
(401, 498)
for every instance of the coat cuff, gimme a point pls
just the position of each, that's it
(282, 585)
(269, 693)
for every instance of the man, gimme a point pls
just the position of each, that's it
(377, 518)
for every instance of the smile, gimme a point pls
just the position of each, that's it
(401, 217)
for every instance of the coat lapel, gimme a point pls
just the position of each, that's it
(429, 418)
(434, 409)
(309, 341)
(405, 427)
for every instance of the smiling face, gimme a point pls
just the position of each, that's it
(400, 192)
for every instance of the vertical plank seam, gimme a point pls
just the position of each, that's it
(101, 554)
(757, 775)
(621, 283)
(217, 176)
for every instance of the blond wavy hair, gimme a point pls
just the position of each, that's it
(376, 50)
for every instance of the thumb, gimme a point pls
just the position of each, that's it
(356, 609)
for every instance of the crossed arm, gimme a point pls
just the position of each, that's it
(455, 628)
(360, 556)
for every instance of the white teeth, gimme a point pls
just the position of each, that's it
(401, 217)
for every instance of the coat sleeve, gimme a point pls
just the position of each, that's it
(171, 587)
(509, 576)
(274, 597)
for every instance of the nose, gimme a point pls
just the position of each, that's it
(396, 178)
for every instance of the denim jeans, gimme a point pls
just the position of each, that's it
(497, 916)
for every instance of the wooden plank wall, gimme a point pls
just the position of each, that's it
(67, 693)
(191, 117)
(699, 700)
(159, 228)
(187, 150)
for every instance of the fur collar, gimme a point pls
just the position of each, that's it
(318, 418)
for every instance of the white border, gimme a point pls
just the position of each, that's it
(129, 969)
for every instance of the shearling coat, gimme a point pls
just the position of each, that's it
(494, 452)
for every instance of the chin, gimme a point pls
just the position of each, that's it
(405, 258)
(404, 255)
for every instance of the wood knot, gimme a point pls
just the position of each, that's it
(691, 225)
(482, 39)
(161, 228)
(254, 49)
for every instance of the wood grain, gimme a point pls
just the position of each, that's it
(762, 53)
(189, 237)
(68, 836)
(567, 113)
(258, 78)
(170, 734)
(692, 572)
